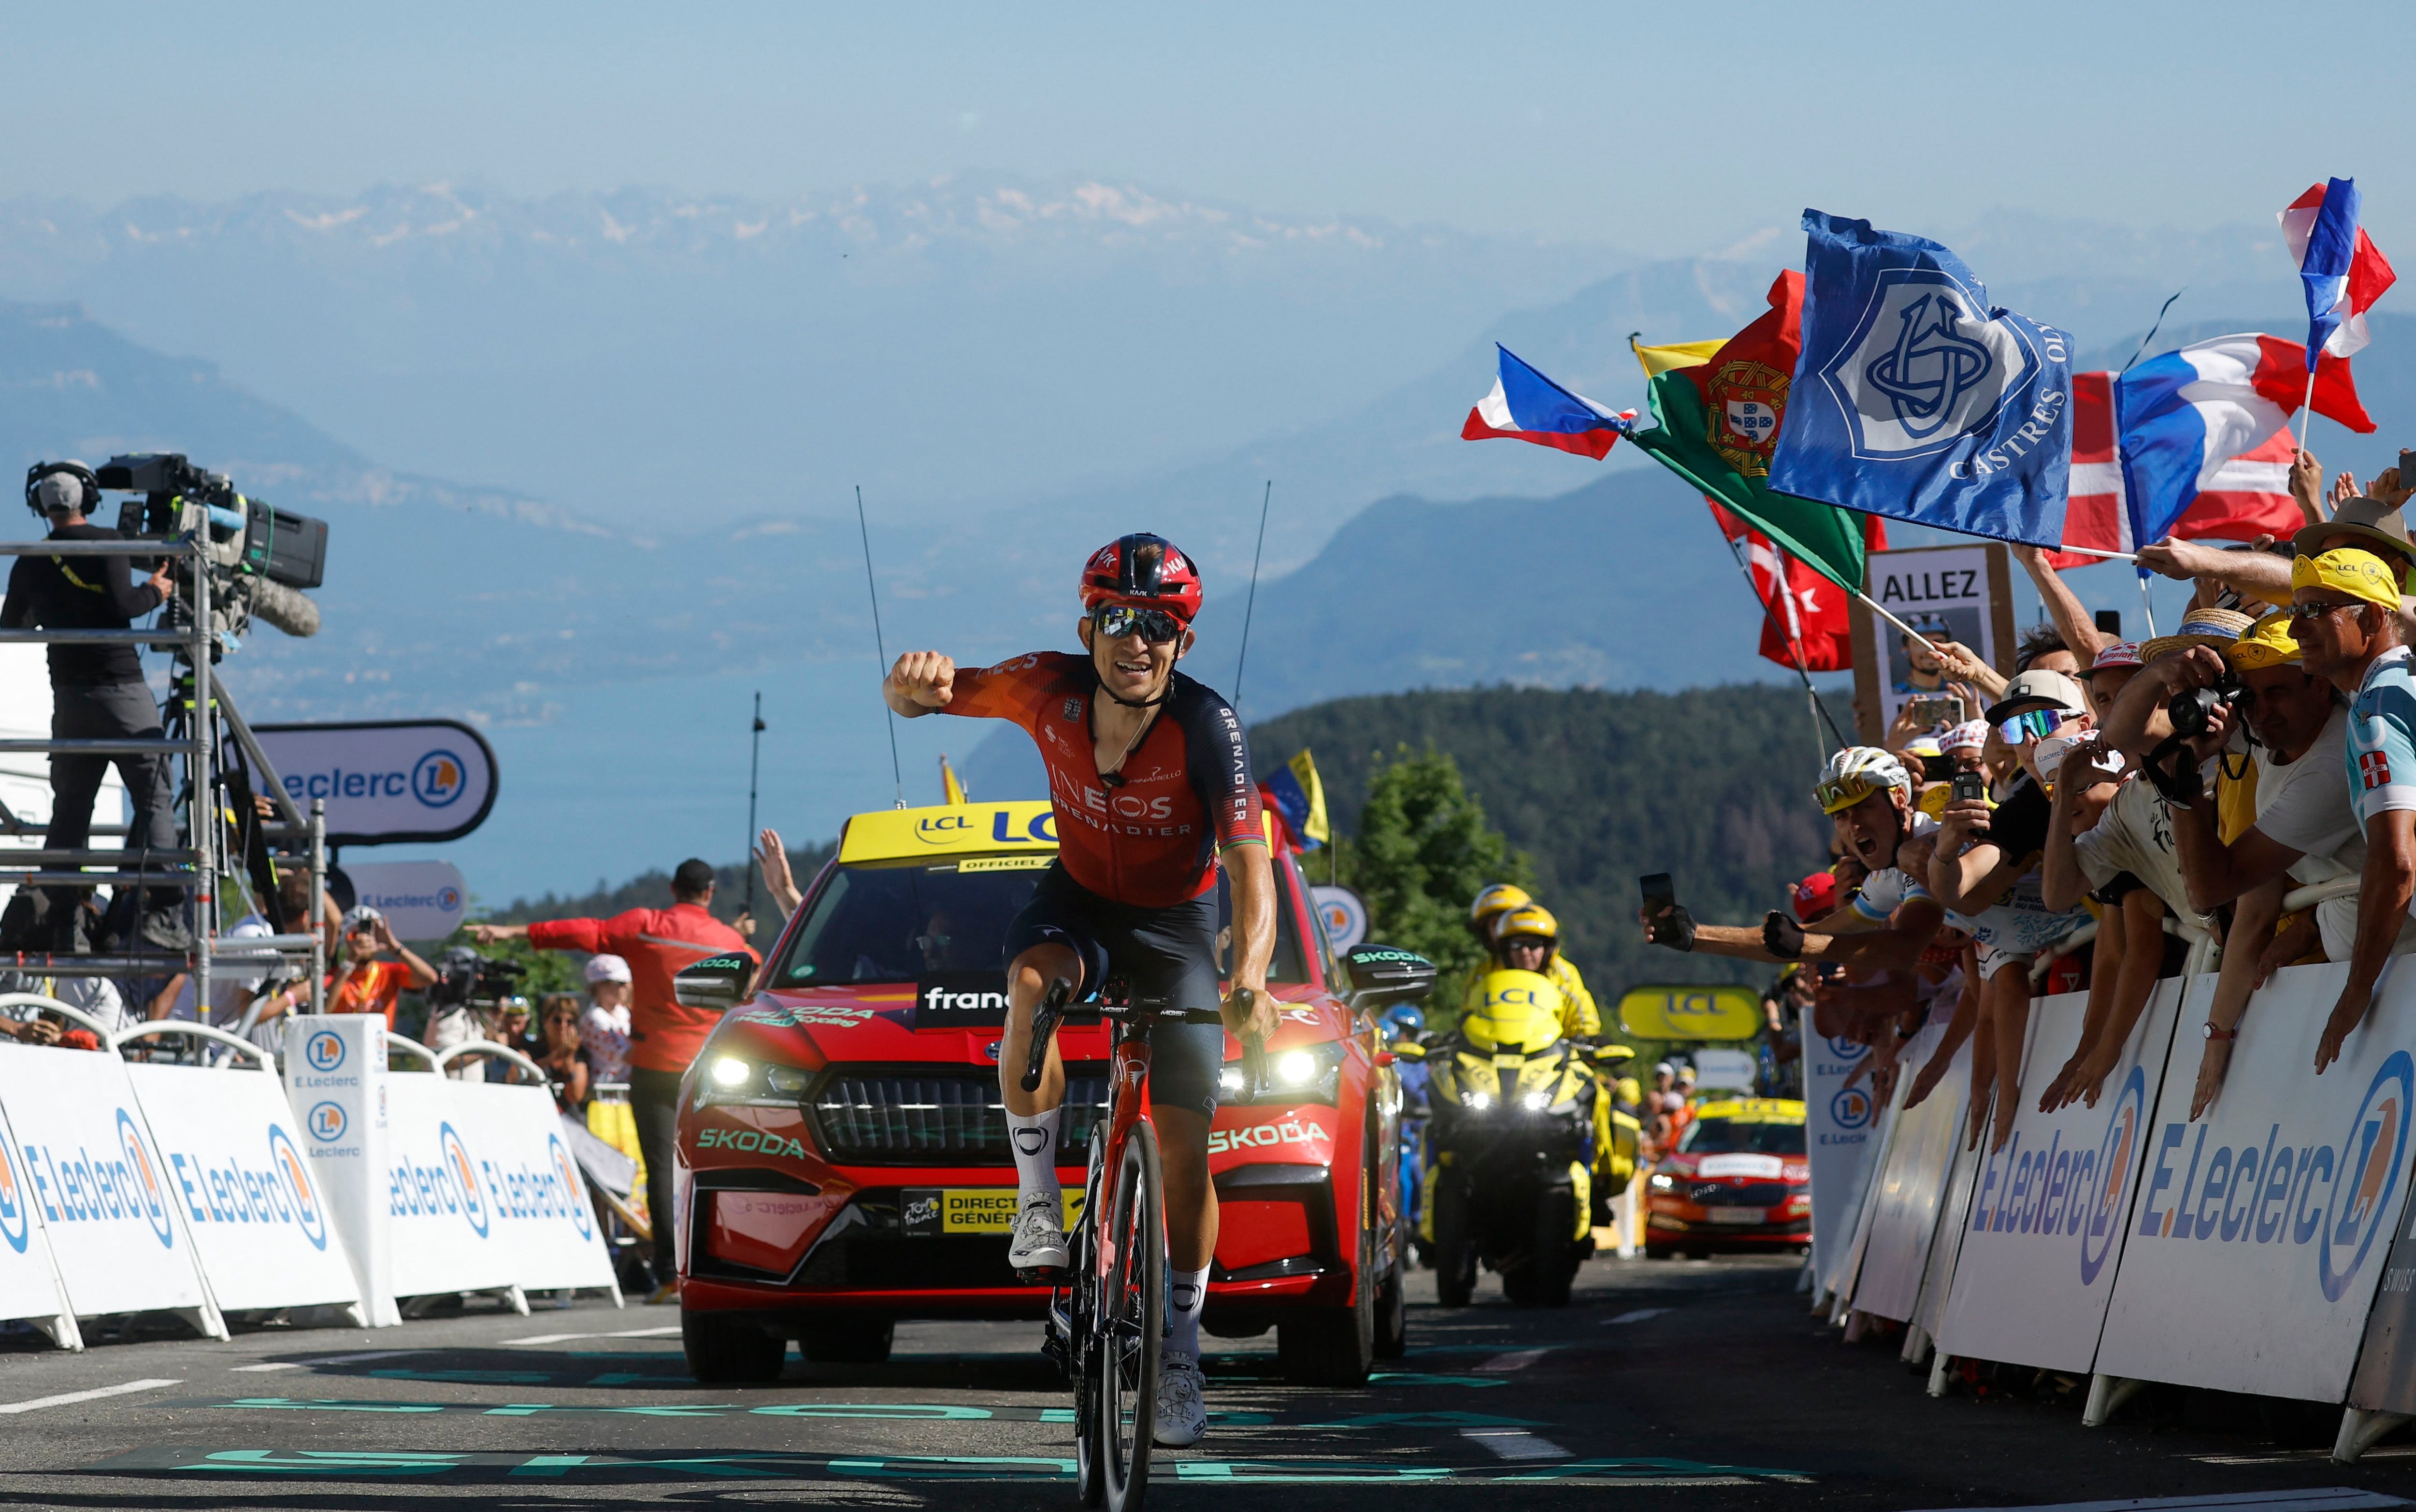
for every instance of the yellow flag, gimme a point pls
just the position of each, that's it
(951, 788)
(1660, 359)
(1313, 827)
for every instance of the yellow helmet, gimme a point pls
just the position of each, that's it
(1532, 919)
(1521, 1012)
(1495, 898)
(1630, 1090)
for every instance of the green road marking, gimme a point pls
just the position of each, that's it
(900, 1410)
(834, 1411)
(471, 1378)
(587, 1469)
(1427, 1420)
(1419, 1378)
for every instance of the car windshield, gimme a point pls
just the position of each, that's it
(913, 921)
(1730, 1135)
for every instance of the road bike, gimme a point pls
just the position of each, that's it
(1107, 1313)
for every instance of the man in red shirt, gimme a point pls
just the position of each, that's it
(663, 1037)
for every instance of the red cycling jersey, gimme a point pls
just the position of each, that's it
(1151, 840)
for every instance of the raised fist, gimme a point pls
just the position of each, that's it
(925, 677)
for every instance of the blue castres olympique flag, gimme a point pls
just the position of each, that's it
(1917, 400)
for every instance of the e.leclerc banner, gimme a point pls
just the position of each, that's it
(2043, 1234)
(420, 780)
(2261, 1232)
(1836, 1128)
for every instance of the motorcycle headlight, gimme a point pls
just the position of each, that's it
(1310, 1073)
(1476, 1102)
(1535, 1102)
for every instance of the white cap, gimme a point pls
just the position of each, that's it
(361, 917)
(607, 968)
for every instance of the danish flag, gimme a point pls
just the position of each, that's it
(1805, 618)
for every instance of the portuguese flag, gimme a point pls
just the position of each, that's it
(1716, 424)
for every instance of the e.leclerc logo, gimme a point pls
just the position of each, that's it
(151, 1197)
(2369, 1176)
(465, 1177)
(16, 1215)
(326, 1123)
(287, 1160)
(324, 1049)
(571, 1188)
(2112, 1174)
(438, 778)
(1850, 1108)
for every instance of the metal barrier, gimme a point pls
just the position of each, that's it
(488, 1047)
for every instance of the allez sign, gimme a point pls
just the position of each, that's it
(387, 780)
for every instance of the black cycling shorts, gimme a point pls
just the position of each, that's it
(1167, 960)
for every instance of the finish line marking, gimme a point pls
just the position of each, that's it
(332, 1359)
(2303, 1498)
(620, 1332)
(506, 1469)
(1636, 1316)
(1514, 1360)
(65, 1398)
(839, 1411)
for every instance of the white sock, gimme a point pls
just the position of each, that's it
(1186, 1292)
(1034, 1139)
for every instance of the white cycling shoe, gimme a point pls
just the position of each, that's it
(1182, 1416)
(1039, 1242)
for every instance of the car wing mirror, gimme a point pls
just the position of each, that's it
(717, 982)
(1382, 976)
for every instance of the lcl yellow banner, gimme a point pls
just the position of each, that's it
(1691, 1012)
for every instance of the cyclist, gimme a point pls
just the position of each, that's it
(1150, 778)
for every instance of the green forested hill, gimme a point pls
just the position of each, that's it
(1712, 785)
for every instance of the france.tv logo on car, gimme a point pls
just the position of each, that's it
(438, 778)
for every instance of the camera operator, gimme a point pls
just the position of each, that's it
(96, 693)
(374, 983)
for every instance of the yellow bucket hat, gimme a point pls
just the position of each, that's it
(2266, 644)
(2359, 574)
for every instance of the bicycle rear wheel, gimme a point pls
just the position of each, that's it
(1082, 1296)
(1132, 1323)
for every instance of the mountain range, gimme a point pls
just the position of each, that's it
(608, 635)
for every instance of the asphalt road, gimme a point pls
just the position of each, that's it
(1702, 1384)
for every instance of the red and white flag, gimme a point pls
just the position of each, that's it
(1805, 617)
(2248, 496)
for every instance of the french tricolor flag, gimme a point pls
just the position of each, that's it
(2248, 496)
(1527, 406)
(2343, 271)
(2183, 418)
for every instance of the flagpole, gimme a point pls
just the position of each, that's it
(2091, 550)
(1794, 647)
(1900, 625)
(2307, 411)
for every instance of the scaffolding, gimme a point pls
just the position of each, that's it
(205, 723)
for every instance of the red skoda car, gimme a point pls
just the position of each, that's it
(1739, 1180)
(843, 1161)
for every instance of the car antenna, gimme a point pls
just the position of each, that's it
(754, 764)
(896, 771)
(1252, 608)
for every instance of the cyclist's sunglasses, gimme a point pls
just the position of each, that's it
(1156, 625)
(1839, 793)
(2030, 724)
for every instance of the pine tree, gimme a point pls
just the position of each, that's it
(1423, 852)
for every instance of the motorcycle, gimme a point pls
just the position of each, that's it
(1511, 1146)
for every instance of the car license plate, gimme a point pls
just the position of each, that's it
(926, 1211)
(1736, 1215)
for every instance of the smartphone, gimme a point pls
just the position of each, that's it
(2109, 622)
(1970, 787)
(2407, 467)
(1930, 711)
(1660, 893)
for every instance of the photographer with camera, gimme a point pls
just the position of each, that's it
(374, 983)
(96, 693)
(663, 1037)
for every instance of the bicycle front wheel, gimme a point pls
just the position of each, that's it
(1131, 1321)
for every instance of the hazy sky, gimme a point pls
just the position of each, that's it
(1659, 128)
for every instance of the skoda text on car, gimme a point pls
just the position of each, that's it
(842, 1151)
(1738, 1180)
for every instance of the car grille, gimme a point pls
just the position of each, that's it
(939, 1116)
(1721, 1194)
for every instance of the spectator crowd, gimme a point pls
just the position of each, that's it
(2246, 782)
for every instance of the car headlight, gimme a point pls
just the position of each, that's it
(1661, 1183)
(731, 1079)
(1310, 1073)
(731, 1072)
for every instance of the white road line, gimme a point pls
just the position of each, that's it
(624, 1333)
(1518, 1359)
(2303, 1498)
(122, 1388)
(333, 1359)
(1516, 1444)
(1636, 1316)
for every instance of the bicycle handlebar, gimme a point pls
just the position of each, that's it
(1052, 1012)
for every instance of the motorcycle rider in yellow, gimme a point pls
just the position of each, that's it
(1526, 937)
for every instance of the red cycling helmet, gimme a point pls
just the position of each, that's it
(1143, 570)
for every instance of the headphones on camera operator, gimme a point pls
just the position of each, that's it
(84, 478)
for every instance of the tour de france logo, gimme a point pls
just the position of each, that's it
(305, 1198)
(457, 1160)
(324, 1049)
(2368, 1178)
(326, 1123)
(2115, 1150)
(16, 1216)
(153, 1197)
(572, 1189)
(438, 780)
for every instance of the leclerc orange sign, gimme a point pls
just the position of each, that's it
(1689, 1011)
